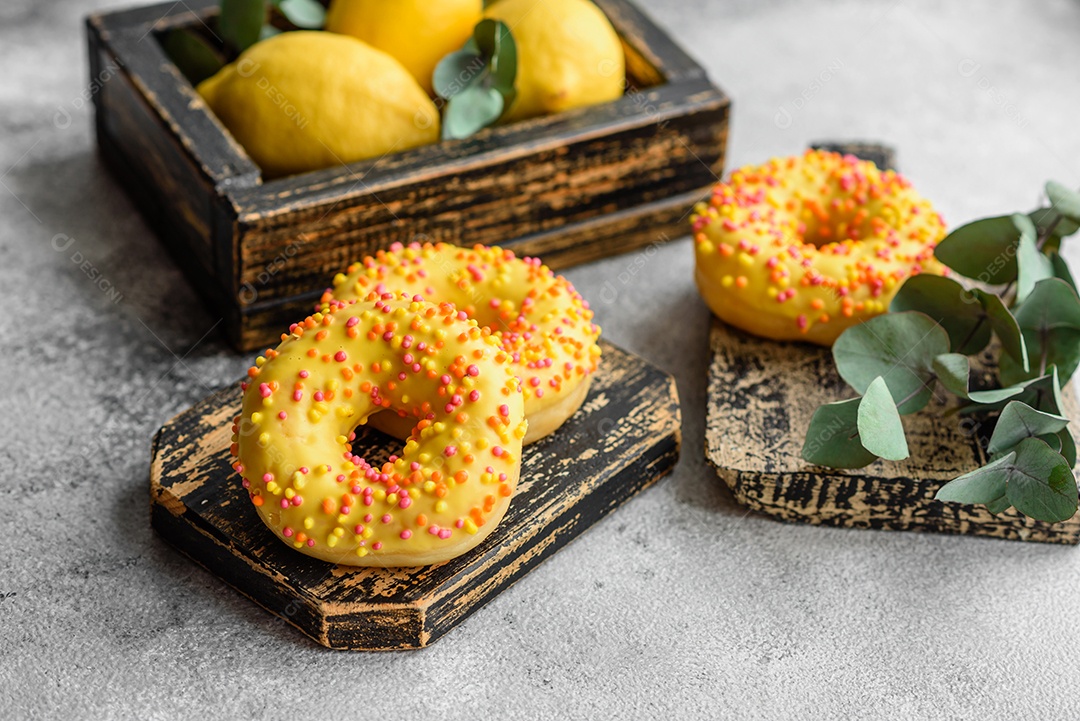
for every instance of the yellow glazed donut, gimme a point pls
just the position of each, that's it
(802, 248)
(538, 318)
(449, 486)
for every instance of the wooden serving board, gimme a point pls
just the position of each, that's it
(623, 439)
(761, 396)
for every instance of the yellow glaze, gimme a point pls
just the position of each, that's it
(539, 320)
(802, 248)
(437, 498)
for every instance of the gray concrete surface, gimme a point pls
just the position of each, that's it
(680, 604)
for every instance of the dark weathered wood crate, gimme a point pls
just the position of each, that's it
(568, 188)
(623, 439)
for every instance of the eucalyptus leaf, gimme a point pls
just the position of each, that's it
(986, 485)
(268, 31)
(1061, 269)
(1052, 226)
(958, 310)
(240, 22)
(1005, 325)
(984, 249)
(471, 110)
(195, 57)
(458, 71)
(880, 429)
(833, 437)
(1068, 446)
(1032, 265)
(1019, 421)
(1065, 200)
(900, 347)
(305, 14)
(1042, 393)
(999, 505)
(1041, 483)
(1050, 322)
(1033, 478)
(953, 370)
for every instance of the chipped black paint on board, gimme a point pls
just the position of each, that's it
(625, 437)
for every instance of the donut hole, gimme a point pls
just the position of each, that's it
(842, 219)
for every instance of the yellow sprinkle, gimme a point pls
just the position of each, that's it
(440, 506)
(727, 281)
(264, 439)
(256, 417)
(273, 487)
(361, 552)
(339, 532)
(289, 493)
(260, 361)
(470, 526)
(309, 522)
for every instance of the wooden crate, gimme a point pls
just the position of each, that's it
(623, 439)
(568, 188)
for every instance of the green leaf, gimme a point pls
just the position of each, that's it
(1019, 421)
(195, 57)
(901, 348)
(1004, 324)
(957, 309)
(880, 429)
(1033, 478)
(1061, 269)
(1068, 446)
(305, 14)
(986, 485)
(1042, 393)
(1040, 483)
(1065, 200)
(999, 505)
(268, 31)
(983, 249)
(456, 72)
(1050, 224)
(471, 110)
(952, 369)
(241, 22)
(1032, 265)
(1050, 322)
(494, 39)
(833, 437)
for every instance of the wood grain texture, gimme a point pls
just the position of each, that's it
(761, 396)
(624, 438)
(569, 188)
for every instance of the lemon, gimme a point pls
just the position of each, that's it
(305, 100)
(416, 32)
(568, 55)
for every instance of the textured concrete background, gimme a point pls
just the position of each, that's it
(679, 603)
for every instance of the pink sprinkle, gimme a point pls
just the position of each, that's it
(351, 322)
(504, 410)
(304, 374)
(388, 335)
(311, 542)
(444, 534)
(534, 381)
(284, 502)
(287, 532)
(267, 477)
(459, 523)
(450, 451)
(297, 395)
(405, 502)
(474, 396)
(346, 510)
(445, 380)
(377, 545)
(340, 356)
(406, 534)
(297, 500)
(497, 451)
(264, 390)
(319, 396)
(473, 371)
(386, 518)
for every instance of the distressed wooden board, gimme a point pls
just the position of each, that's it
(569, 188)
(624, 438)
(761, 396)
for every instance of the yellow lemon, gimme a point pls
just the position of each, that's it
(302, 100)
(416, 32)
(569, 55)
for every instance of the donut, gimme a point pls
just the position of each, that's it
(802, 248)
(449, 486)
(538, 318)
